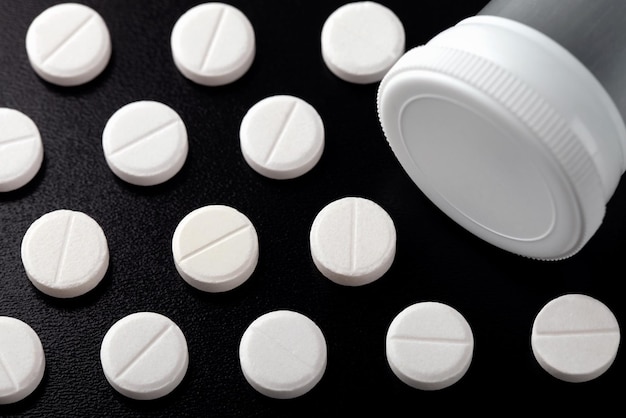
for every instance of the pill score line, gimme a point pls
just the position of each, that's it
(284, 348)
(142, 352)
(281, 132)
(438, 340)
(64, 247)
(8, 141)
(67, 39)
(215, 243)
(159, 129)
(581, 333)
(354, 237)
(212, 37)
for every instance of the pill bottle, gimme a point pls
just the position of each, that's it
(511, 121)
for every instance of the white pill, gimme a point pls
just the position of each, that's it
(21, 149)
(213, 44)
(283, 354)
(68, 44)
(65, 253)
(429, 346)
(22, 360)
(361, 41)
(215, 248)
(282, 137)
(575, 338)
(144, 356)
(353, 241)
(145, 143)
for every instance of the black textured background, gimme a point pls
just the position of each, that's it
(498, 293)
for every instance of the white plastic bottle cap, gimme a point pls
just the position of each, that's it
(145, 143)
(353, 241)
(575, 338)
(144, 356)
(21, 149)
(215, 248)
(213, 44)
(429, 346)
(507, 133)
(68, 44)
(22, 360)
(283, 354)
(65, 253)
(361, 41)
(282, 137)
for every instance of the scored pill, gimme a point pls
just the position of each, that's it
(65, 253)
(283, 354)
(21, 149)
(144, 356)
(429, 346)
(22, 360)
(282, 137)
(215, 248)
(145, 143)
(68, 44)
(353, 241)
(213, 44)
(575, 338)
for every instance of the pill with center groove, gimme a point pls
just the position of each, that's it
(575, 338)
(213, 44)
(282, 137)
(144, 355)
(283, 354)
(68, 44)
(429, 346)
(215, 248)
(145, 143)
(65, 253)
(353, 241)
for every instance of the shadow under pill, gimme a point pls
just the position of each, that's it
(159, 404)
(86, 300)
(160, 189)
(87, 88)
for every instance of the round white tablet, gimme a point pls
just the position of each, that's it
(68, 44)
(65, 253)
(429, 346)
(353, 241)
(282, 137)
(283, 354)
(145, 143)
(361, 41)
(575, 338)
(21, 149)
(215, 248)
(22, 360)
(144, 356)
(213, 44)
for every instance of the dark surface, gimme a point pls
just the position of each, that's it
(498, 293)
